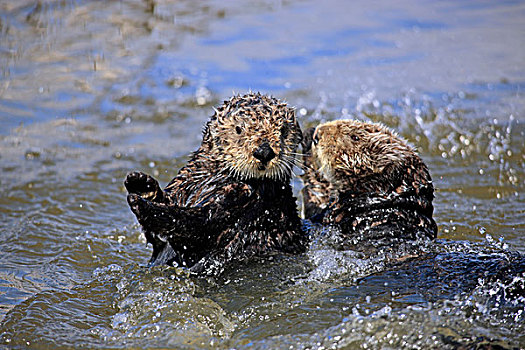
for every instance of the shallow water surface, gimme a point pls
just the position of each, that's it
(90, 90)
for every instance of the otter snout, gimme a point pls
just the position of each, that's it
(264, 153)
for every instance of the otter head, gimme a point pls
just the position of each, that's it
(359, 156)
(254, 137)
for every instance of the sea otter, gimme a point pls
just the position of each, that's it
(233, 199)
(367, 182)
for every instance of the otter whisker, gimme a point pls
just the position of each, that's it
(292, 159)
(296, 162)
(298, 154)
(287, 166)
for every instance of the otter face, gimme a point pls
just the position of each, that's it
(347, 151)
(255, 136)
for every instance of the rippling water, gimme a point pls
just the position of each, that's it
(93, 89)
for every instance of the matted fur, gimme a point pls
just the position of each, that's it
(366, 180)
(226, 203)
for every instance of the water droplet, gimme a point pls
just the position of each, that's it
(202, 95)
(176, 82)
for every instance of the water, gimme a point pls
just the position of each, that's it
(92, 90)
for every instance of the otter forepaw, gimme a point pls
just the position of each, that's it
(151, 215)
(137, 204)
(143, 207)
(143, 185)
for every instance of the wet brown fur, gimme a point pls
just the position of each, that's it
(366, 180)
(225, 152)
(227, 204)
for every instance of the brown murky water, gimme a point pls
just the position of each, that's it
(90, 90)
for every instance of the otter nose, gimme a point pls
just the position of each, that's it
(264, 152)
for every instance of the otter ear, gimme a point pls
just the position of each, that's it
(209, 131)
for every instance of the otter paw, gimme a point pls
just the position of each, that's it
(137, 204)
(151, 215)
(143, 185)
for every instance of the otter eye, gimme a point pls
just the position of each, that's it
(354, 138)
(238, 130)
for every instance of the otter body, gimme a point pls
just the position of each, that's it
(366, 181)
(233, 199)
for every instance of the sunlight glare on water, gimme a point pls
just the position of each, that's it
(90, 90)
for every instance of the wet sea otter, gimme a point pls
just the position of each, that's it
(365, 180)
(233, 199)
(367, 183)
